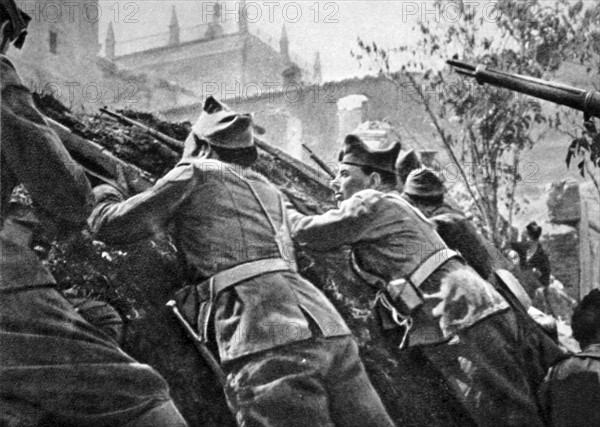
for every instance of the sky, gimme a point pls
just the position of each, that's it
(329, 27)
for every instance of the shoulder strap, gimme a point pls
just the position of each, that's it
(255, 192)
(584, 355)
(282, 236)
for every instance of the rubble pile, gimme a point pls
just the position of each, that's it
(139, 279)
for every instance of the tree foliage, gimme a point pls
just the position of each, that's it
(484, 128)
(585, 49)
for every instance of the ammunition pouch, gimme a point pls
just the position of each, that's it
(403, 293)
(399, 298)
(406, 296)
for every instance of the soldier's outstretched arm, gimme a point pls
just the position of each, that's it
(336, 227)
(116, 220)
(37, 157)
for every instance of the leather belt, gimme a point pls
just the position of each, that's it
(426, 269)
(227, 278)
(417, 277)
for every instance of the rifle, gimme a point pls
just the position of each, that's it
(200, 345)
(99, 163)
(318, 161)
(572, 97)
(171, 142)
(299, 166)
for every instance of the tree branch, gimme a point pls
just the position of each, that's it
(448, 147)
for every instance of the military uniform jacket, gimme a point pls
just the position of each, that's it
(217, 214)
(390, 239)
(33, 155)
(570, 394)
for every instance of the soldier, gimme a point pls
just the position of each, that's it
(55, 368)
(287, 354)
(570, 394)
(425, 190)
(457, 319)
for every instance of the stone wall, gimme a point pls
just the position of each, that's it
(230, 65)
(563, 252)
(191, 64)
(313, 111)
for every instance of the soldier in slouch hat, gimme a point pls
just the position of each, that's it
(288, 356)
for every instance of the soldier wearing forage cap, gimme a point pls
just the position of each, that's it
(288, 355)
(425, 190)
(457, 319)
(55, 367)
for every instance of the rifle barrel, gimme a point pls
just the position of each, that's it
(572, 97)
(99, 162)
(172, 142)
(319, 161)
(301, 167)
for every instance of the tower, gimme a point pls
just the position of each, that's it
(242, 18)
(317, 76)
(284, 45)
(173, 28)
(214, 26)
(110, 43)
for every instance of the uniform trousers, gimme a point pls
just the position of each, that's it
(56, 369)
(495, 368)
(315, 382)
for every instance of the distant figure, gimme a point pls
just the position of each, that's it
(531, 254)
(570, 394)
